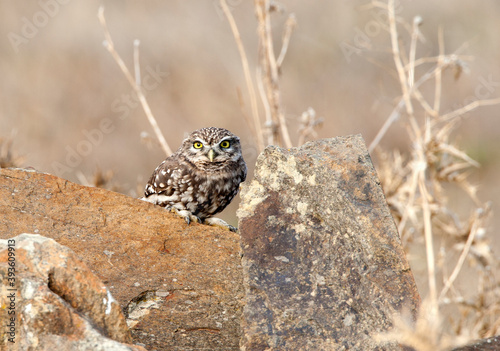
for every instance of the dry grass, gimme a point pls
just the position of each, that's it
(417, 183)
(448, 233)
(274, 124)
(135, 83)
(8, 157)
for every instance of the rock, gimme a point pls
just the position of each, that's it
(323, 264)
(54, 301)
(489, 344)
(181, 285)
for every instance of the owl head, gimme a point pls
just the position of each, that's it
(211, 147)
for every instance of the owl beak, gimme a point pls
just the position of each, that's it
(211, 155)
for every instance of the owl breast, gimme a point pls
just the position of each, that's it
(204, 192)
(202, 177)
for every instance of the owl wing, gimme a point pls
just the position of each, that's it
(169, 180)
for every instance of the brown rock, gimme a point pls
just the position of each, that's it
(188, 277)
(323, 264)
(54, 301)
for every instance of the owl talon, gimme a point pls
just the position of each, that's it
(191, 218)
(188, 216)
(217, 222)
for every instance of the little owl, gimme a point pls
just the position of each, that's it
(201, 178)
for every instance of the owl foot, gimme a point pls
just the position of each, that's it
(217, 222)
(188, 216)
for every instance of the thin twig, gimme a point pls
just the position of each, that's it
(458, 267)
(417, 21)
(393, 117)
(257, 131)
(408, 208)
(142, 99)
(137, 65)
(269, 124)
(469, 107)
(287, 33)
(397, 58)
(270, 72)
(425, 105)
(439, 74)
(308, 122)
(429, 246)
(395, 114)
(444, 58)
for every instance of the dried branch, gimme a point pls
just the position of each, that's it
(416, 192)
(137, 88)
(137, 66)
(256, 129)
(429, 246)
(290, 24)
(469, 107)
(397, 57)
(308, 124)
(417, 21)
(458, 267)
(270, 74)
(438, 79)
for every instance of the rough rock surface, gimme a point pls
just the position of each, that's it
(490, 344)
(322, 260)
(54, 302)
(188, 277)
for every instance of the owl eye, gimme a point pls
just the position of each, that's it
(197, 145)
(224, 144)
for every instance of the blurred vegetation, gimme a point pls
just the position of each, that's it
(8, 156)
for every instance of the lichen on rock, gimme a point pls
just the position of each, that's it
(322, 260)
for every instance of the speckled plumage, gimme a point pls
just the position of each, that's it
(202, 177)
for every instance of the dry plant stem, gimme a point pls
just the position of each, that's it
(451, 279)
(395, 114)
(287, 33)
(439, 74)
(411, 201)
(137, 66)
(397, 57)
(423, 103)
(431, 268)
(135, 86)
(413, 49)
(469, 107)
(267, 108)
(246, 71)
(270, 72)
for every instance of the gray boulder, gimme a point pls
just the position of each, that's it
(323, 264)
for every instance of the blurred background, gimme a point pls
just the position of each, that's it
(69, 111)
